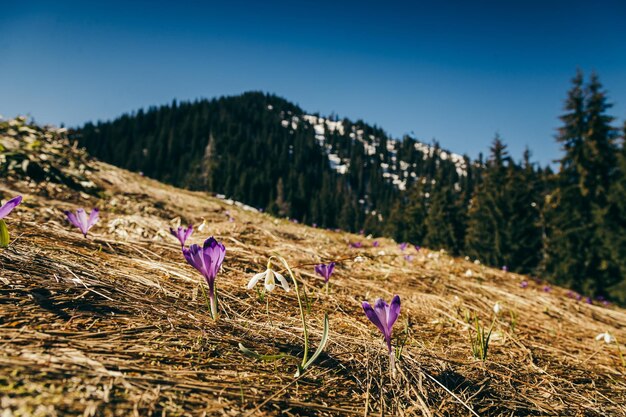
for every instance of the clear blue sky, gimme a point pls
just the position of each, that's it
(455, 71)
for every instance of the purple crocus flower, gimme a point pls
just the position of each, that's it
(523, 284)
(417, 248)
(80, 219)
(505, 268)
(325, 271)
(182, 234)
(547, 288)
(207, 260)
(9, 206)
(408, 258)
(403, 246)
(383, 316)
(356, 245)
(376, 244)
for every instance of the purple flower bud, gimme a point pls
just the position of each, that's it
(356, 245)
(588, 300)
(408, 258)
(417, 248)
(9, 206)
(547, 288)
(403, 246)
(524, 284)
(182, 234)
(81, 220)
(383, 316)
(376, 244)
(325, 271)
(505, 268)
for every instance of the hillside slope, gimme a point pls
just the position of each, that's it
(115, 324)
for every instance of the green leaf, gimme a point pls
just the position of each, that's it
(320, 348)
(4, 235)
(266, 358)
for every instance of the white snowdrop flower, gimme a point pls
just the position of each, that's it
(608, 337)
(497, 308)
(270, 276)
(469, 273)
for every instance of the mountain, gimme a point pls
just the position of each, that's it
(115, 324)
(269, 153)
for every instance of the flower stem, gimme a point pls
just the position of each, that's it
(206, 298)
(327, 292)
(213, 306)
(305, 331)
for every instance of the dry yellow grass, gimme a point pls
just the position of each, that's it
(115, 324)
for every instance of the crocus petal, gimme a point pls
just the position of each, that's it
(331, 268)
(282, 281)
(93, 218)
(82, 219)
(255, 279)
(188, 233)
(381, 308)
(214, 253)
(372, 316)
(393, 312)
(71, 217)
(319, 269)
(9, 206)
(270, 284)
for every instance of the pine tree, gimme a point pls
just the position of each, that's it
(441, 224)
(524, 192)
(487, 231)
(574, 252)
(613, 221)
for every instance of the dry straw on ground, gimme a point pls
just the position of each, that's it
(115, 324)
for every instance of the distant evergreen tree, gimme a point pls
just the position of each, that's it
(524, 192)
(487, 236)
(575, 255)
(442, 223)
(613, 224)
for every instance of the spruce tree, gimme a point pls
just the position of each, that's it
(574, 252)
(613, 221)
(487, 231)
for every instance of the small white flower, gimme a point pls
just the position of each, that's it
(469, 273)
(270, 283)
(608, 338)
(202, 226)
(359, 259)
(476, 262)
(382, 253)
(497, 308)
